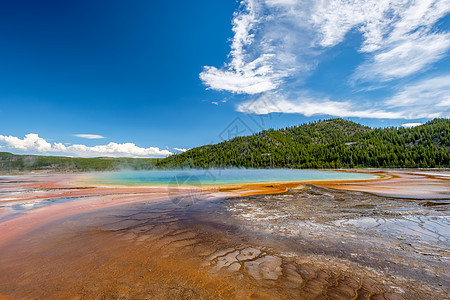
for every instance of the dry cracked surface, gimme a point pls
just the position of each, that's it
(308, 243)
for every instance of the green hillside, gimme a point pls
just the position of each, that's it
(12, 162)
(333, 143)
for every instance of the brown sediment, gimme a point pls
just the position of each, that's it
(418, 184)
(262, 241)
(414, 184)
(247, 189)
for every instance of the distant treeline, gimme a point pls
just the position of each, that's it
(334, 143)
(12, 162)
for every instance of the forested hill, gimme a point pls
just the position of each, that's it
(10, 162)
(333, 143)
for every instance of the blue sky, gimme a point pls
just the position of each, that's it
(150, 78)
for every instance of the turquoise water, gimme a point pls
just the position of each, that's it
(219, 177)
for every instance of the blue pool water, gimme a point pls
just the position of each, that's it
(193, 177)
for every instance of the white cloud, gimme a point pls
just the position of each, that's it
(89, 136)
(274, 39)
(411, 125)
(277, 43)
(238, 82)
(431, 93)
(261, 52)
(399, 33)
(333, 19)
(405, 57)
(111, 149)
(181, 149)
(311, 106)
(33, 143)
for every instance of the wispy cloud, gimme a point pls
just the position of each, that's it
(89, 136)
(310, 106)
(428, 98)
(429, 94)
(398, 34)
(405, 57)
(277, 44)
(260, 56)
(181, 149)
(33, 143)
